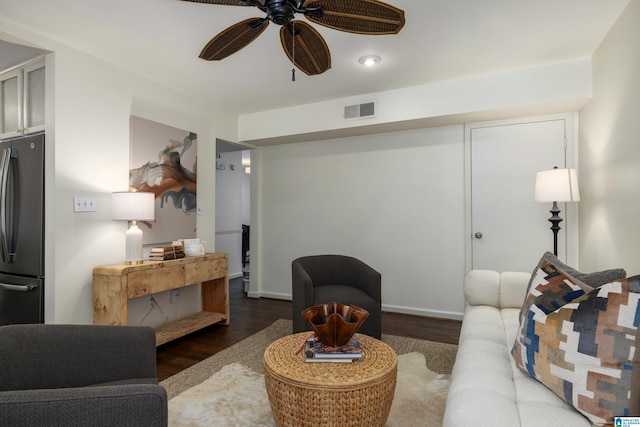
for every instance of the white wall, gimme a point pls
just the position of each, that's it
(89, 105)
(610, 152)
(555, 88)
(395, 201)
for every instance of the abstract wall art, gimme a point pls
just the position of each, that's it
(163, 160)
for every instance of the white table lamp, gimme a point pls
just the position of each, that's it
(556, 185)
(132, 207)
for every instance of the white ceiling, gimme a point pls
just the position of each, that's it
(442, 40)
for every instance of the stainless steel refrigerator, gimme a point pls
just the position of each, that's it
(22, 230)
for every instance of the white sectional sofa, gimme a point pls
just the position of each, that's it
(487, 389)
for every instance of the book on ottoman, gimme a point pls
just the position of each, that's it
(319, 352)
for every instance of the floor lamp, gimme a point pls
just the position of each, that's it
(556, 185)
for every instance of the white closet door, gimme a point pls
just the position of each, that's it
(508, 230)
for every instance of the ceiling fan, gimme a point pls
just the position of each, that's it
(304, 46)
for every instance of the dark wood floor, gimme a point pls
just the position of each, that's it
(250, 315)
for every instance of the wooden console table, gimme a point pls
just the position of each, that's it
(115, 284)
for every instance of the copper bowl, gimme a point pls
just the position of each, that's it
(335, 323)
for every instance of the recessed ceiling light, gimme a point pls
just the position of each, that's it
(369, 60)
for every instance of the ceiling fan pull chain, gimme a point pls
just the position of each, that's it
(293, 51)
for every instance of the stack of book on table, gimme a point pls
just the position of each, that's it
(315, 351)
(166, 252)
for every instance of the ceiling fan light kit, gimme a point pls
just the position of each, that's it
(303, 45)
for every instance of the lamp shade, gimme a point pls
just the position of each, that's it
(132, 206)
(557, 185)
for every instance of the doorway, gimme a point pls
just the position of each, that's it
(233, 209)
(506, 229)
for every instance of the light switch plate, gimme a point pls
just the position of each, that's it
(84, 204)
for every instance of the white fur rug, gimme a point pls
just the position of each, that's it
(236, 396)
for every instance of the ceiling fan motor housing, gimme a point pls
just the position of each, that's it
(281, 11)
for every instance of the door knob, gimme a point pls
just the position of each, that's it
(478, 235)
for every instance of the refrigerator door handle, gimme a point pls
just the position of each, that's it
(19, 288)
(4, 183)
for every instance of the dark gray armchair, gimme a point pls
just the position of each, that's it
(320, 279)
(79, 375)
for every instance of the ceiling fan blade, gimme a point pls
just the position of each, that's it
(229, 2)
(356, 16)
(233, 39)
(308, 51)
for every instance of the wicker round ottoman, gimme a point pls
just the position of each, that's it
(330, 394)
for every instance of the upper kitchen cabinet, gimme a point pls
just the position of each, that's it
(22, 100)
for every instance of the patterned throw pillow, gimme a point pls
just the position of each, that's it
(584, 349)
(551, 286)
(595, 279)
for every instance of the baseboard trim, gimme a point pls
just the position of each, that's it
(440, 314)
(271, 295)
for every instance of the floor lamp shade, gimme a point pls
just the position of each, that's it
(553, 186)
(557, 185)
(132, 207)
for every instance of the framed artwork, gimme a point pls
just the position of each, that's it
(163, 161)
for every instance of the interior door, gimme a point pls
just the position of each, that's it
(508, 230)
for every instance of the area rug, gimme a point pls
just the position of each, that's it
(227, 389)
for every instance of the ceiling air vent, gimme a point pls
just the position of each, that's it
(360, 111)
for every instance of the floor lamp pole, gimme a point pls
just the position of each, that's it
(555, 220)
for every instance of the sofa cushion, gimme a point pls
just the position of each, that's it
(495, 357)
(482, 287)
(583, 350)
(472, 406)
(541, 414)
(484, 322)
(127, 381)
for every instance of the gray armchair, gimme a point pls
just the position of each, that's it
(320, 279)
(79, 375)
